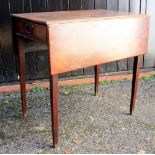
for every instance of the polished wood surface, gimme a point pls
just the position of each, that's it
(22, 78)
(97, 72)
(96, 42)
(136, 71)
(87, 37)
(59, 17)
(79, 39)
(54, 108)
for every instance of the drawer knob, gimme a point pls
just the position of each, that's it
(29, 28)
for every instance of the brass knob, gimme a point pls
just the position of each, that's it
(29, 28)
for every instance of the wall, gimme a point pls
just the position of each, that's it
(36, 62)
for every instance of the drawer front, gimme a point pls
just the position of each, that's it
(31, 30)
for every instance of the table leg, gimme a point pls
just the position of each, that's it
(54, 107)
(136, 70)
(97, 68)
(20, 48)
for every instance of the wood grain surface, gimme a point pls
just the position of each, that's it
(77, 45)
(71, 16)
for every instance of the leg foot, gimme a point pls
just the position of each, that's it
(26, 115)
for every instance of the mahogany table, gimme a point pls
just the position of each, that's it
(78, 39)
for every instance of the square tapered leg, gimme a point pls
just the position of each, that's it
(54, 108)
(20, 48)
(136, 70)
(97, 68)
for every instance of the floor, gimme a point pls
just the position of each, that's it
(87, 123)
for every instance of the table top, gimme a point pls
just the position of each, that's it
(79, 39)
(71, 16)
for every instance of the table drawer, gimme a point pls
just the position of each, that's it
(31, 29)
